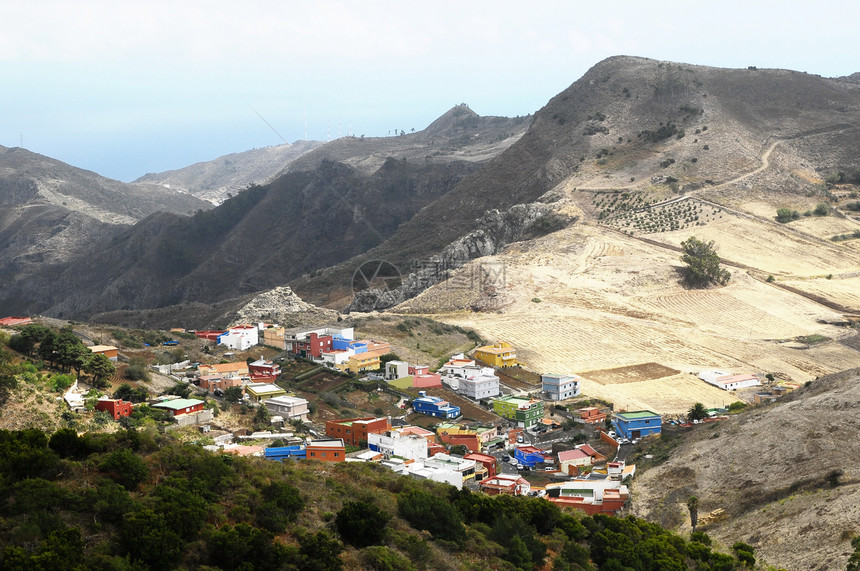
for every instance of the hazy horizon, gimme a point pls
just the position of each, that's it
(124, 90)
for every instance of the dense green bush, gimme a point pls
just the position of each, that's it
(785, 215)
(361, 524)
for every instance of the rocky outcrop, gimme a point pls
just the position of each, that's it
(280, 305)
(494, 231)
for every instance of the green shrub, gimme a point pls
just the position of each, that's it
(59, 382)
(125, 468)
(361, 524)
(785, 215)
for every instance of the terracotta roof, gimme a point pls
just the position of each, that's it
(574, 454)
(227, 367)
(101, 348)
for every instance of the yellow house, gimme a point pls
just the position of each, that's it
(498, 355)
(274, 337)
(367, 361)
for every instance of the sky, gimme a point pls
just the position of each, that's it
(129, 88)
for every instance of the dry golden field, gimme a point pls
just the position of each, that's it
(590, 300)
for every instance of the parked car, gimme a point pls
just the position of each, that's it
(520, 438)
(505, 458)
(520, 466)
(549, 469)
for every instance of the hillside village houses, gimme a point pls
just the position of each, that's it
(560, 387)
(525, 411)
(418, 376)
(469, 379)
(287, 407)
(499, 355)
(411, 450)
(241, 337)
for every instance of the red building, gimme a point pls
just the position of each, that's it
(504, 484)
(471, 441)
(212, 382)
(263, 370)
(423, 378)
(114, 407)
(488, 461)
(613, 500)
(354, 431)
(591, 415)
(209, 335)
(313, 346)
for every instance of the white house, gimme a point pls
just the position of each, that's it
(560, 387)
(240, 337)
(291, 408)
(444, 468)
(480, 386)
(469, 379)
(729, 382)
(409, 442)
(396, 370)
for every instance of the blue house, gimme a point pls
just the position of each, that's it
(435, 406)
(636, 424)
(531, 456)
(280, 453)
(340, 343)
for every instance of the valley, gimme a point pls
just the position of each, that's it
(560, 233)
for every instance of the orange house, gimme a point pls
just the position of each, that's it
(327, 450)
(108, 351)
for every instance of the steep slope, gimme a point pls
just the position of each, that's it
(230, 174)
(786, 475)
(259, 239)
(51, 212)
(301, 222)
(634, 124)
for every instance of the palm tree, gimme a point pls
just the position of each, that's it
(698, 412)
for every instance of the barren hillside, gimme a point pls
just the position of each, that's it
(786, 475)
(584, 299)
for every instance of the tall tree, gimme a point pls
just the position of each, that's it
(100, 367)
(703, 264)
(48, 348)
(693, 507)
(7, 375)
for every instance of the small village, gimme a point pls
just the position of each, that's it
(480, 421)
